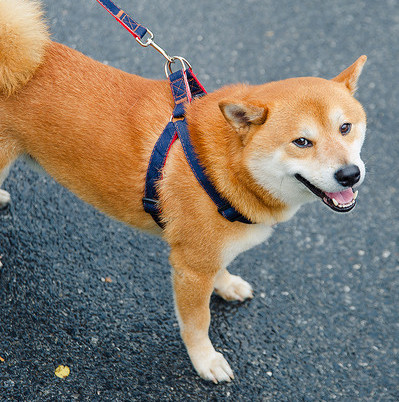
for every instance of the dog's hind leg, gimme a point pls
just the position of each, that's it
(9, 151)
(232, 287)
(4, 195)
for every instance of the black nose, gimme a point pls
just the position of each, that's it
(348, 176)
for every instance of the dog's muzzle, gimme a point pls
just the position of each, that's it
(341, 201)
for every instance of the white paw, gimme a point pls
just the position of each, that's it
(213, 367)
(234, 288)
(4, 199)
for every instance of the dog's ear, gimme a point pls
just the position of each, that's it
(241, 115)
(350, 76)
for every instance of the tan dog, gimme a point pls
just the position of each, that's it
(268, 149)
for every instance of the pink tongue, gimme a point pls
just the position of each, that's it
(343, 197)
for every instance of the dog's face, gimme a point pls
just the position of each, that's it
(308, 142)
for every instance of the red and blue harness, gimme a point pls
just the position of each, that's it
(185, 87)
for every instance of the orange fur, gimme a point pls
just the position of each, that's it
(24, 36)
(93, 127)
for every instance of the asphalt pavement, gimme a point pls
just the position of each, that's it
(81, 290)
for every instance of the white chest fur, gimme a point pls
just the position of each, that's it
(250, 237)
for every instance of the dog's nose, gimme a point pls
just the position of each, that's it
(348, 176)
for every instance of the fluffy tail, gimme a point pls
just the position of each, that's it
(23, 38)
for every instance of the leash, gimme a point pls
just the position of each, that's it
(185, 86)
(136, 29)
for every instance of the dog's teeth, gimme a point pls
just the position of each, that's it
(355, 194)
(335, 202)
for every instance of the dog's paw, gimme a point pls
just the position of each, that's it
(213, 367)
(5, 199)
(235, 288)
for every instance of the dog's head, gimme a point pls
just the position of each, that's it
(302, 138)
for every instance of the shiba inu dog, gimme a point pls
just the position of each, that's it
(267, 149)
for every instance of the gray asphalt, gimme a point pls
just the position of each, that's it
(324, 323)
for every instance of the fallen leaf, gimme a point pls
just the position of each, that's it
(107, 279)
(62, 371)
(1, 359)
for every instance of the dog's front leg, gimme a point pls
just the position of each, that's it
(193, 287)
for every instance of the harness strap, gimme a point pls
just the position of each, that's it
(154, 171)
(224, 207)
(180, 90)
(181, 82)
(185, 86)
(195, 86)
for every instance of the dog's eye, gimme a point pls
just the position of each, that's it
(303, 143)
(345, 128)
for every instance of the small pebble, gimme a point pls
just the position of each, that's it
(386, 254)
(9, 384)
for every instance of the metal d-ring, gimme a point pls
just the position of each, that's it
(168, 65)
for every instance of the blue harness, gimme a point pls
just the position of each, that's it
(185, 86)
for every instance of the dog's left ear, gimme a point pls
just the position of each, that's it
(242, 115)
(350, 76)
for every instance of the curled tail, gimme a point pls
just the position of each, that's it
(23, 38)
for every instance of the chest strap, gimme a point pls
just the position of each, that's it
(185, 86)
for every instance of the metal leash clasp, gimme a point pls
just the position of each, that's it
(170, 59)
(151, 43)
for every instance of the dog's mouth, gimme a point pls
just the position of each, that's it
(342, 201)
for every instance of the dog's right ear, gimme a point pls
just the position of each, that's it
(242, 115)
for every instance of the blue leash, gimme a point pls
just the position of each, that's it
(136, 29)
(184, 86)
